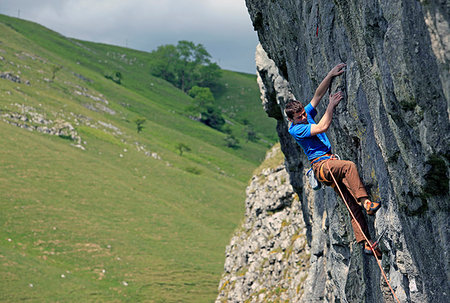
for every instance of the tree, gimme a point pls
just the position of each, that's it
(185, 65)
(202, 96)
(164, 62)
(205, 107)
(209, 75)
(181, 147)
(55, 69)
(140, 123)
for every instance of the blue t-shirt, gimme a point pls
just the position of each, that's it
(313, 146)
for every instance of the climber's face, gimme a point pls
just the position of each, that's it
(300, 117)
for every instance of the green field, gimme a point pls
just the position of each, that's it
(100, 212)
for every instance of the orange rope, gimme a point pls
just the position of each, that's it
(365, 237)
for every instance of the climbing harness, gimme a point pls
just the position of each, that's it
(321, 158)
(372, 245)
(313, 180)
(321, 176)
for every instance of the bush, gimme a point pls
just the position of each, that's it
(193, 170)
(139, 123)
(250, 133)
(181, 147)
(115, 76)
(232, 141)
(212, 117)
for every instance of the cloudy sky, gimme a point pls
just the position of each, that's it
(222, 26)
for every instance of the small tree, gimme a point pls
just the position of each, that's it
(181, 147)
(204, 105)
(55, 69)
(139, 123)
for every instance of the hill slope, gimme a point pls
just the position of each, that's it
(91, 210)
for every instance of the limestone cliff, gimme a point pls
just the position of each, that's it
(393, 123)
(267, 258)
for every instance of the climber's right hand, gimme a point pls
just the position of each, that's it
(336, 98)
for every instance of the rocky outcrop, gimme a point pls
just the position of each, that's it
(29, 118)
(11, 77)
(393, 123)
(64, 125)
(267, 258)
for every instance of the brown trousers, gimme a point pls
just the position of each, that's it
(347, 177)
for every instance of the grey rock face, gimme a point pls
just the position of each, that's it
(268, 257)
(393, 123)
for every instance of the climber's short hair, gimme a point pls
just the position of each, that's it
(293, 107)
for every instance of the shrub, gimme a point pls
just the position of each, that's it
(193, 170)
(181, 147)
(139, 123)
(232, 141)
(115, 76)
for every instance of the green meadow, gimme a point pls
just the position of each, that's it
(90, 209)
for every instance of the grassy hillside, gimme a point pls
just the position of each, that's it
(91, 210)
(233, 99)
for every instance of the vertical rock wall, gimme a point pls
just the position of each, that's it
(393, 123)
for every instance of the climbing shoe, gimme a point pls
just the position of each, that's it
(371, 207)
(376, 249)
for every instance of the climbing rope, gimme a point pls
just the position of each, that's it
(359, 226)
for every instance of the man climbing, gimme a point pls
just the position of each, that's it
(327, 168)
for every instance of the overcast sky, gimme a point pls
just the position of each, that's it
(222, 26)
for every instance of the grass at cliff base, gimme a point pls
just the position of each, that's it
(79, 227)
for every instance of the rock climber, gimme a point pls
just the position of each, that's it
(312, 138)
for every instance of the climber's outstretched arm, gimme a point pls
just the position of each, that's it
(322, 89)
